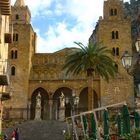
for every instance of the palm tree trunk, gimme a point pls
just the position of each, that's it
(90, 93)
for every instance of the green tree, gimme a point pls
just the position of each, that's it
(90, 59)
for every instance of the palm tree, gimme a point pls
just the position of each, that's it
(90, 59)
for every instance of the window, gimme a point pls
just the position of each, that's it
(115, 34)
(15, 37)
(113, 12)
(115, 51)
(13, 70)
(17, 16)
(14, 54)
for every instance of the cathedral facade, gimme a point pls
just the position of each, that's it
(33, 73)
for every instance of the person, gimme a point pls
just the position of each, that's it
(5, 137)
(13, 135)
(17, 134)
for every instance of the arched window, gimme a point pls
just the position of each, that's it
(117, 51)
(13, 70)
(115, 34)
(115, 12)
(15, 37)
(111, 12)
(15, 54)
(12, 54)
(113, 51)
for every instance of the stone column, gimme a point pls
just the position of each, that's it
(28, 109)
(50, 105)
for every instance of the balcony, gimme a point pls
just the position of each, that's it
(8, 38)
(5, 7)
(4, 74)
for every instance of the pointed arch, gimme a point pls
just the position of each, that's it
(56, 102)
(44, 103)
(13, 70)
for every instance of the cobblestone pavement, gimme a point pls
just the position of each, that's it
(39, 130)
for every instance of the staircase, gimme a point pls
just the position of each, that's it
(39, 130)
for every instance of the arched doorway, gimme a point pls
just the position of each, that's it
(83, 102)
(56, 102)
(44, 103)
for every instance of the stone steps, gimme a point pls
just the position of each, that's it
(39, 130)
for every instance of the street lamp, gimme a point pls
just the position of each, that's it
(74, 101)
(127, 60)
(137, 44)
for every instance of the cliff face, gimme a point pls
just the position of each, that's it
(132, 9)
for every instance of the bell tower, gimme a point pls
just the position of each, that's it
(113, 10)
(114, 31)
(20, 13)
(20, 55)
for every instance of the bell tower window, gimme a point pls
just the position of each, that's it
(115, 51)
(15, 37)
(13, 70)
(115, 34)
(113, 12)
(14, 54)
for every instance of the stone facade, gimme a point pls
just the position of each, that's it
(114, 32)
(33, 73)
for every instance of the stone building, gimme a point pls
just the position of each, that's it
(5, 38)
(41, 73)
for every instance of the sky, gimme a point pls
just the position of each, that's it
(58, 23)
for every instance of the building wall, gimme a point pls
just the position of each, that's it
(4, 69)
(20, 55)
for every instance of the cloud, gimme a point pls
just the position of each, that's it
(74, 21)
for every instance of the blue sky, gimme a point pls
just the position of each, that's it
(58, 23)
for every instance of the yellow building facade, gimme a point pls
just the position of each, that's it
(41, 73)
(5, 38)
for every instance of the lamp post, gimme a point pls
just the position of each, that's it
(127, 61)
(127, 64)
(74, 101)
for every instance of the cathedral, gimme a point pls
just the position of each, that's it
(33, 74)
